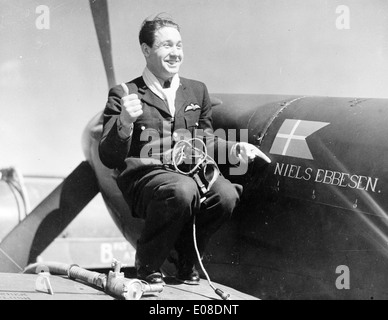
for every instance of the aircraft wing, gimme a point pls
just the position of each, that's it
(24, 287)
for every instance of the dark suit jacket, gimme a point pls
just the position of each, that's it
(156, 121)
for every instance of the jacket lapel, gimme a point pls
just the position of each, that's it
(182, 95)
(152, 99)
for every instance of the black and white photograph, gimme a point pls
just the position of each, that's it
(207, 151)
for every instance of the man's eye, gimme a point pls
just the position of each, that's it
(167, 45)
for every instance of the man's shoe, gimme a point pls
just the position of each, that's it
(187, 273)
(152, 277)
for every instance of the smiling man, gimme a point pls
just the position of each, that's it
(165, 56)
(150, 110)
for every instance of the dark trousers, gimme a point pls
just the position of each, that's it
(168, 201)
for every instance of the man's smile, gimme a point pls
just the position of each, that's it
(173, 62)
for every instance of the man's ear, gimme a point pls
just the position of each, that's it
(146, 50)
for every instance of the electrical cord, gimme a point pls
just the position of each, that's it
(178, 156)
(202, 162)
(219, 292)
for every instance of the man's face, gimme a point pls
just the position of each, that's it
(166, 56)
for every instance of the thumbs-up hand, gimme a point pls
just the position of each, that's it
(131, 109)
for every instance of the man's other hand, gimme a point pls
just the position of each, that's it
(247, 152)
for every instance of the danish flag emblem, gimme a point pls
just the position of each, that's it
(291, 138)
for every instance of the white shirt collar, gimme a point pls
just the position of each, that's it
(166, 94)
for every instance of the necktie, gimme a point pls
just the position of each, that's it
(167, 84)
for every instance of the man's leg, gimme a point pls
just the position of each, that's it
(221, 200)
(166, 200)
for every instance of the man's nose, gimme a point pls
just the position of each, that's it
(175, 51)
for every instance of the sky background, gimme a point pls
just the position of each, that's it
(52, 82)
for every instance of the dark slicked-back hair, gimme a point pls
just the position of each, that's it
(150, 26)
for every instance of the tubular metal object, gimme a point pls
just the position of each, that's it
(115, 284)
